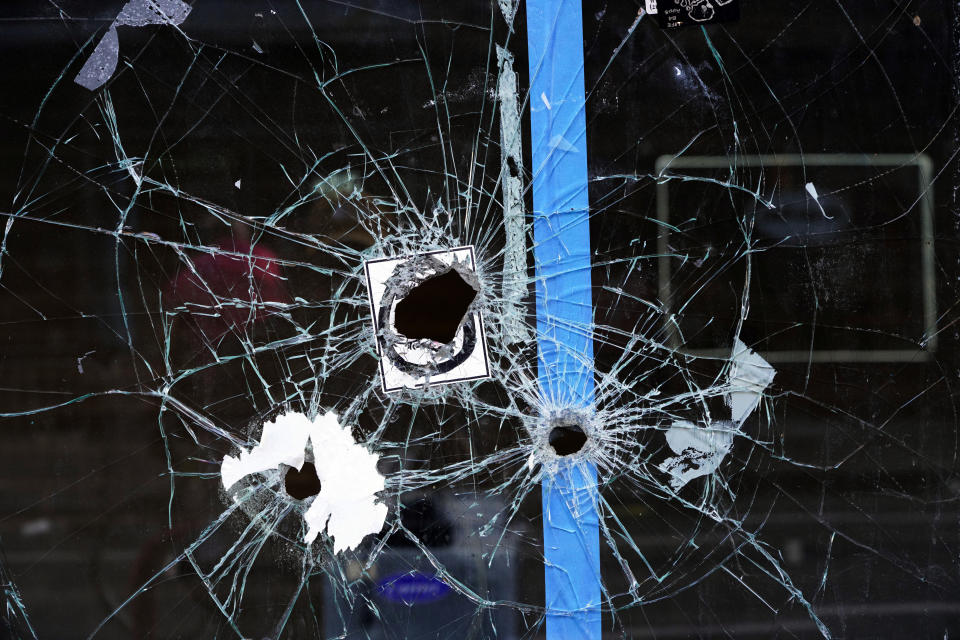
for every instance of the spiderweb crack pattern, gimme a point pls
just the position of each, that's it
(182, 264)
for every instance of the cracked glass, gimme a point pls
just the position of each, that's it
(271, 321)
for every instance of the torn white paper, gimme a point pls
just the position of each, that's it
(283, 441)
(700, 450)
(346, 505)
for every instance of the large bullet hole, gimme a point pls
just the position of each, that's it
(302, 484)
(567, 439)
(435, 308)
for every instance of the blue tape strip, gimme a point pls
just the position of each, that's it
(571, 535)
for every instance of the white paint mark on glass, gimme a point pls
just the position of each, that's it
(812, 190)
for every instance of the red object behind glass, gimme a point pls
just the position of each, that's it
(231, 288)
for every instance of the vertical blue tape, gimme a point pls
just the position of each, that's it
(571, 535)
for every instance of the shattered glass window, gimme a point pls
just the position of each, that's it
(292, 347)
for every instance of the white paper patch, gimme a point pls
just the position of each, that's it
(651, 6)
(700, 450)
(748, 377)
(283, 441)
(415, 363)
(347, 504)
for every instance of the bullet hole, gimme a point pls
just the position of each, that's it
(567, 439)
(302, 484)
(512, 167)
(435, 308)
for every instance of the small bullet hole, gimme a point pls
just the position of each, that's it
(435, 308)
(302, 484)
(567, 439)
(512, 167)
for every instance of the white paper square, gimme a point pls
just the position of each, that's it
(392, 378)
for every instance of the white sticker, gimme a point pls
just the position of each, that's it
(651, 6)
(418, 363)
